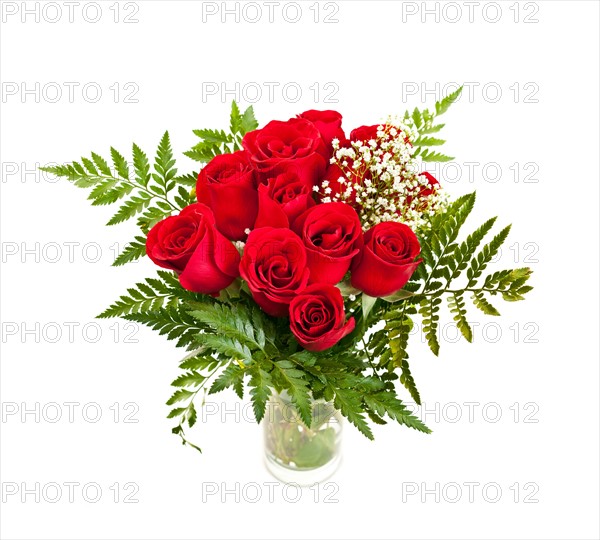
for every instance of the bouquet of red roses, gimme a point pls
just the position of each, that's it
(298, 257)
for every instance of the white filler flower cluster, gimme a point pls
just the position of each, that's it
(381, 179)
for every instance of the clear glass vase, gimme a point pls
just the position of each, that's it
(295, 453)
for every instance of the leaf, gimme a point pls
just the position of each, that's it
(293, 381)
(120, 164)
(225, 345)
(192, 417)
(133, 251)
(179, 395)
(367, 305)
(236, 322)
(482, 304)
(430, 156)
(457, 308)
(387, 403)
(260, 383)
(428, 141)
(349, 403)
(232, 375)
(398, 326)
(150, 296)
(397, 296)
(141, 165)
(429, 310)
(487, 253)
(346, 289)
(408, 381)
(191, 378)
(442, 106)
(173, 323)
(164, 163)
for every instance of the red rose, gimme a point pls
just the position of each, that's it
(368, 133)
(227, 185)
(332, 235)
(364, 133)
(422, 192)
(282, 199)
(386, 262)
(274, 265)
(333, 175)
(190, 244)
(431, 183)
(329, 124)
(294, 146)
(317, 317)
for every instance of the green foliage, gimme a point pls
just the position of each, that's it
(214, 142)
(445, 261)
(133, 251)
(260, 383)
(174, 323)
(429, 310)
(387, 403)
(231, 376)
(293, 380)
(425, 123)
(147, 193)
(233, 342)
(151, 295)
(350, 404)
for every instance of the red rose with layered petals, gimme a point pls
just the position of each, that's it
(294, 146)
(368, 133)
(282, 199)
(190, 244)
(364, 133)
(386, 261)
(317, 317)
(329, 124)
(332, 235)
(274, 266)
(227, 184)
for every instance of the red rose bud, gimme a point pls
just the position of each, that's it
(274, 266)
(282, 199)
(386, 261)
(421, 192)
(368, 133)
(332, 235)
(364, 133)
(294, 146)
(329, 124)
(227, 184)
(190, 244)
(431, 183)
(317, 317)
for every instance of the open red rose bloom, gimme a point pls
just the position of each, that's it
(299, 214)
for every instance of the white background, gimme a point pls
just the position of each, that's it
(376, 54)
